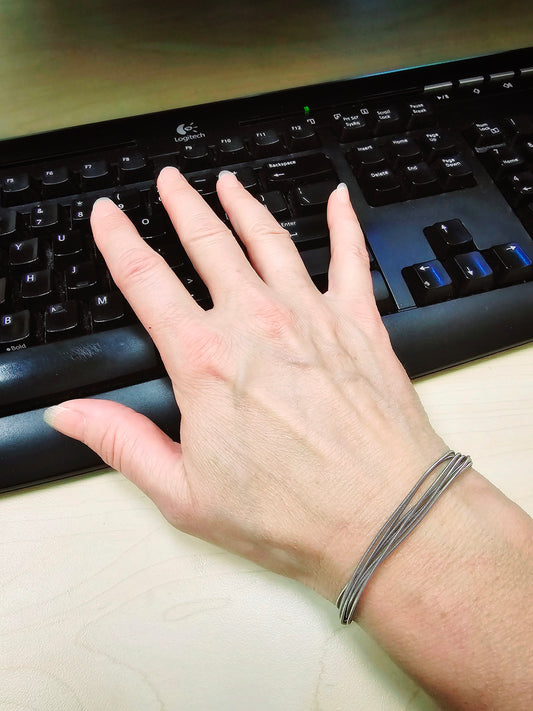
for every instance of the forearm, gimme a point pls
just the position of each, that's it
(453, 605)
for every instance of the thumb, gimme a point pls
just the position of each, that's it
(127, 441)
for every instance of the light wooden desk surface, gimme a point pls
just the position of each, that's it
(105, 607)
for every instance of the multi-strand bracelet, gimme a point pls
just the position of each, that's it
(402, 522)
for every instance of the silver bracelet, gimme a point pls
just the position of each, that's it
(397, 528)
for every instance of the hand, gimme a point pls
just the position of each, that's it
(300, 430)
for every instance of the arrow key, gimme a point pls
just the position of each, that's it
(429, 282)
(510, 263)
(471, 273)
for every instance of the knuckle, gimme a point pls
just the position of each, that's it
(204, 229)
(273, 319)
(137, 266)
(207, 352)
(262, 229)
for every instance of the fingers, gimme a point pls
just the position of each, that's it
(211, 246)
(150, 286)
(126, 441)
(349, 272)
(270, 248)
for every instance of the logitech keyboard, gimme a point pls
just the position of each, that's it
(439, 163)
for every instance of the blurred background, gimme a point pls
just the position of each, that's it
(66, 63)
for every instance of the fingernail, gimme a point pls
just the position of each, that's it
(61, 418)
(105, 206)
(228, 173)
(343, 193)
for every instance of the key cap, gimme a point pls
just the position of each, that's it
(351, 126)
(404, 150)
(454, 173)
(267, 143)
(285, 171)
(133, 168)
(67, 244)
(43, 218)
(510, 263)
(95, 175)
(381, 186)
(8, 226)
(36, 287)
(367, 156)
(316, 262)
(313, 197)
(419, 114)
(275, 203)
(61, 320)
(471, 273)
(302, 136)
(56, 182)
(47, 372)
(195, 156)
(428, 282)
(231, 149)
(107, 309)
(81, 279)
(448, 237)
(382, 295)
(14, 332)
(387, 120)
(307, 231)
(17, 189)
(421, 180)
(25, 254)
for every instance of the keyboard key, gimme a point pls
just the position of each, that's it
(303, 136)
(307, 231)
(420, 180)
(80, 212)
(510, 263)
(351, 126)
(419, 114)
(381, 186)
(367, 156)
(429, 282)
(454, 173)
(275, 203)
(449, 237)
(24, 255)
(382, 295)
(313, 197)
(267, 143)
(231, 150)
(518, 188)
(14, 332)
(132, 168)
(36, 286)
(107, 310)
(56, 182)
(195, 156)
(437, 144)
(404, 150)
(471, 273)
(128, 200)
(43, 218)
(95, 175)
(8, 226)
(501, 161)
(316, 262)
(485, 134)
(3, 291)
(61, 320)
(81, 279)
(387, 120)
(67, 244)
(17, 189)
(285, 171)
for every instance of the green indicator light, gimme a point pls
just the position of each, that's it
(306, 110)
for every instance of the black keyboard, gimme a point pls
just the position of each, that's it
(439, 162)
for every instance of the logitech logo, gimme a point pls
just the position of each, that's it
(188, 132)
